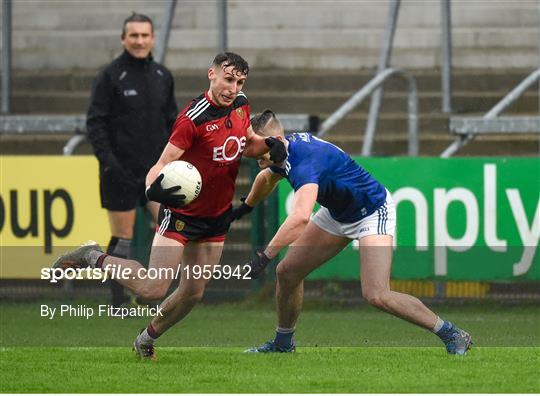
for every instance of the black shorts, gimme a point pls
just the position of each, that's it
(184, 228)
(117, 195)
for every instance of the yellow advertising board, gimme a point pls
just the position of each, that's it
(48, 205)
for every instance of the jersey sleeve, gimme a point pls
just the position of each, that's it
(184, 133)
(304, 173)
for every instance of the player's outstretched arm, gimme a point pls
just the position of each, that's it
(294, 225)
(264, 184)
(290, 230)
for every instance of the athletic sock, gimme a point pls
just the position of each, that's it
(121, 248)
(445, 330)
(438, 325)
(96, 258)
(149, 335)
(145, 338)
(284, 337)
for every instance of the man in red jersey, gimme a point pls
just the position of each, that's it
(212, 133)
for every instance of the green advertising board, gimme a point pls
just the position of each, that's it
(472, 219)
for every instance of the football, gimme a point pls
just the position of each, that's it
(184, 174)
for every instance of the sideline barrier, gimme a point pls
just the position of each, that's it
(47, 204)
(482, 214)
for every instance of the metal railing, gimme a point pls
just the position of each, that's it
(386, 54)
(469, 127)
(76, 125)
(222, 30)
(45, 125)
(6, 56)
(446, 57)
(363, 93)
(165, 32)
(42, 124)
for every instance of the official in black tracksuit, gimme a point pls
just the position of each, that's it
(131, 112)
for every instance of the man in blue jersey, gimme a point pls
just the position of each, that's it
(354, 205)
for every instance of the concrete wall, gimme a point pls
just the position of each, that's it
(286, 34)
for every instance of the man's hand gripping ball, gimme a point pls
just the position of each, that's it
(155, 192)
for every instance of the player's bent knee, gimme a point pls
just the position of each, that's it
(376, 302)
(153, 294)
(377, 298)
(154, 291)
(193, 297)
(286, 275)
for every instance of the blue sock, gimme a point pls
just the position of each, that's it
(446, 330)
(284, 337)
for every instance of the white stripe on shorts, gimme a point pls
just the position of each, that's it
(380, 222)
(165, 223)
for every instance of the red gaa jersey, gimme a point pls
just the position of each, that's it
(213, 139)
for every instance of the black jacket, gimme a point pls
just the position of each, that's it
(132, 110)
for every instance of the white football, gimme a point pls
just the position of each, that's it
(184, 174)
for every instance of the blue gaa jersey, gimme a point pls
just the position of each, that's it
(346, 189)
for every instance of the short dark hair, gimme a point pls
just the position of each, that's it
(136, 18)
(231, 59)
(260, 121)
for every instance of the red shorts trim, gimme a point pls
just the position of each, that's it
(184, 241)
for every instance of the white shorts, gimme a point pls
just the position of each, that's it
(380, 222)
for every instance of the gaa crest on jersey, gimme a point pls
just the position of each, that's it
(240, 113)
(179, 225)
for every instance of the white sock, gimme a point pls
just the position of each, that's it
(94, 257)
(145, 338)
(438, 325)
(284, 331)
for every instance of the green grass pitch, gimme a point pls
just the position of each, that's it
(339, 350)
